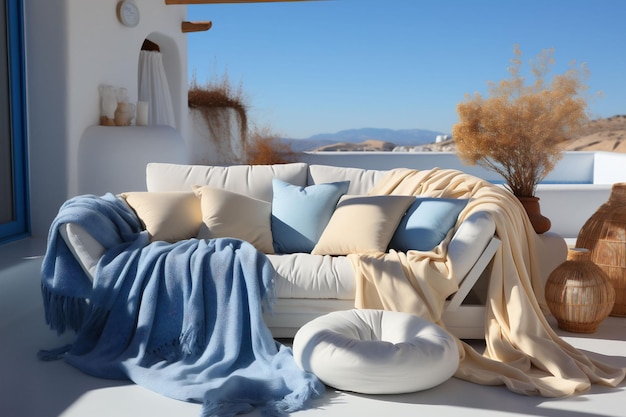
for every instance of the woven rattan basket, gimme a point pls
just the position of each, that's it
(604, 234)
(578, 293)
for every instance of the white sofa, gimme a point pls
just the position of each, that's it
(308, 285)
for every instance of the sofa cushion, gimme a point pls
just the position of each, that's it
(306, 276)
(361, 180)
(300, 214)
(228, 214)
(251, 180)
(362, 224)
(168, 216)
(426, 223)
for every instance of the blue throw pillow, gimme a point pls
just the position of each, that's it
(426, 223)
(300, 214)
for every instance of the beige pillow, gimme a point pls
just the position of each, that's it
(362, 224)
(228, 214)
(169, 216)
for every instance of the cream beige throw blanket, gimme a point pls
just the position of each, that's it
(522, 351)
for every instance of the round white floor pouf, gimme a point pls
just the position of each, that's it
(376, 352)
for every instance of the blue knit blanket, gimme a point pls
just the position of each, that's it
(183, 319)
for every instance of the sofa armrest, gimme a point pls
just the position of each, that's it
(474, 274)
(469, 242)
(83, 246)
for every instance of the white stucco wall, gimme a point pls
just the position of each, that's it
(73, 46)
(223, 144)
(573, 167)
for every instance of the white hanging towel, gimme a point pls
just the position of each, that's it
(153, 88)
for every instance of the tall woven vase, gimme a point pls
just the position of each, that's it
(578, 293)
(604, 234)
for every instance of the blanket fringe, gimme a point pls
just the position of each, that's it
(296, 400)
(55, 354)
(192, 341)
(211, 409)
(63, 312)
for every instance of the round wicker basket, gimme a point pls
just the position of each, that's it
(578, 293)
(604, 234)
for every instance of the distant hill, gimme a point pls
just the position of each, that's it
(366, 145)
(401, 137)
(607, 135)
(602, 134)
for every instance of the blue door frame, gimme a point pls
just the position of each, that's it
(20, 226)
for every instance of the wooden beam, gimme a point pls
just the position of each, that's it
(225, 1)
(195, 26)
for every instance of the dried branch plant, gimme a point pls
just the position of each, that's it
(519, 130)
(265, 147)
(216, 94)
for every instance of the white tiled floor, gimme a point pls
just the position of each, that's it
(30, 388)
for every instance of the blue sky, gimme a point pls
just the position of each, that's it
(325, 66)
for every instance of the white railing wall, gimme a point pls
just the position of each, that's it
(570, 194)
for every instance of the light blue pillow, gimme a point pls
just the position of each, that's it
(300, 214)
(426, 223)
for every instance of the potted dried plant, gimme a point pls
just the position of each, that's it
(519, 130)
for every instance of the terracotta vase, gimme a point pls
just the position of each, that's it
(604, 234)
(540, 223)
(124, 113)
(579, 293)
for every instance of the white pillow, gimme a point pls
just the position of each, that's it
(376, 351)
(228, 214)
(362, 224)
(169, 216)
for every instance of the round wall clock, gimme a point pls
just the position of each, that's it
(128, 13)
